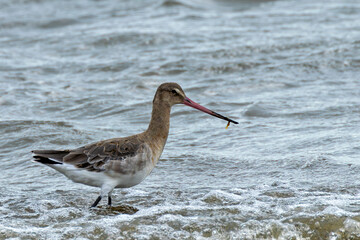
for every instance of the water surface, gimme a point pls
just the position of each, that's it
(76, 72)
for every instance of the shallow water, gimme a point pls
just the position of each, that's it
(77, 72)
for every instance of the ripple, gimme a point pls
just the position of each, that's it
(258, 110)
(134, 38)
(178, 3)
(58, 23)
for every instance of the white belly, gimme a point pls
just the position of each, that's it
(99, 179)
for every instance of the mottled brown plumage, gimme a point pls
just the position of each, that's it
(121, 162)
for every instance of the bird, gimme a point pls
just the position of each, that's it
(122, 162)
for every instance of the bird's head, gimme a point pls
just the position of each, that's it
(171, 94)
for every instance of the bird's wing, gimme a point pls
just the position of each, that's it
(118, 155)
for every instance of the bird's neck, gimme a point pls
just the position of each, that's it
(158, 129)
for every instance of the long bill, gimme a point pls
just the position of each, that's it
(190, 103)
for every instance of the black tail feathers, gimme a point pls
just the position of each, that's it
(45, 160)
(49, 156)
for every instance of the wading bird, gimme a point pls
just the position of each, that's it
(122, 162)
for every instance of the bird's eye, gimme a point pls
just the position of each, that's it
(174, 92)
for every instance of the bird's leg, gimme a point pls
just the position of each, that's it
(109, 201)
(106, 190)
(109, 198)
(96, 202)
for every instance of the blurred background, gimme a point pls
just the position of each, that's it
(76, 72)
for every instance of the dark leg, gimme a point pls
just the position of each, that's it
(109, 201)
(96, 202)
